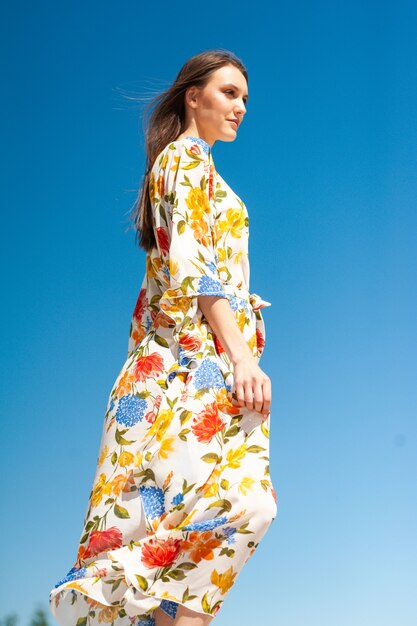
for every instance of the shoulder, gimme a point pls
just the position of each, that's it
(186, 148)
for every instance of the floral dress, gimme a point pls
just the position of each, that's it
(182, 493)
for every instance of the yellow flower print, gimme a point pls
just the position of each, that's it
(187, 519)
(234, 457)
(238, 257)
(152, 187)
(173, 266)
(198, 202)
(241, 320)
(221, 253)
(236, 219)
(164, 161)
(126, 458)
(100, 489)
(103, 454)
(152, 265)
(246, 484)
(138, 458)
(166, 447)
(223, 581)
(252, 343)
(160, 425)
(77, 586)
(211, 487)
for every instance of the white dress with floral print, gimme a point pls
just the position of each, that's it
(182, 493)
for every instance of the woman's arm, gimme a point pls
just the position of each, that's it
(252, 385)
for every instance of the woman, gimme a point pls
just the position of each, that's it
(182, 493)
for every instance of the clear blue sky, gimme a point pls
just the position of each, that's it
(326, 164)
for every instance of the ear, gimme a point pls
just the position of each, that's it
(191, 95)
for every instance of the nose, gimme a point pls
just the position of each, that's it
(239, 113)
(240, 110)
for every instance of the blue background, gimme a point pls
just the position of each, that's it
(326, 164)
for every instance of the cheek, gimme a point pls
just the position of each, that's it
(220, 105)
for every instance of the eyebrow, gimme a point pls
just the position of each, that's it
(236, 87)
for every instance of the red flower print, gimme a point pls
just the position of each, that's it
(160, 552)
(260, 340)
(102, 540)
(148, 366)
(207, 423)
(211, 181)
(163, 241)
(141, 304)
(218, 346)
(195, 149)
(150, 417)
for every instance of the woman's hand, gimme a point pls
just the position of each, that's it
(252, 387)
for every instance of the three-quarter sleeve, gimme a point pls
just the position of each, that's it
(185, 240)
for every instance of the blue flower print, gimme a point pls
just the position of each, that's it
(146, 621)
(73, 574)
(210, 287)
(184, 360)
(207, 524)
(177, 499)
(203, 144)
(130, 410)
(229, 532)
(208, 375)
(153, 501)
(169, 607)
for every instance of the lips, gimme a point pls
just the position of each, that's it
(235, 121)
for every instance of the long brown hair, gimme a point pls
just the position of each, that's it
(166, 123)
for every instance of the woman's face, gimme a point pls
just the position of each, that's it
(221, 100)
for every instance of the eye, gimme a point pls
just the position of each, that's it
(232, 92)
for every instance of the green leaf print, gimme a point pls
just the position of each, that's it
(120, 511)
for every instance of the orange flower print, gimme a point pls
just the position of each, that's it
(207, 423)
(118, 484)
(148, 366)
(160, 552)
(201, 545)
(161, 186)
(102, 540)
(190, 342)
(125, 383)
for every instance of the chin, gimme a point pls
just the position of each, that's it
(230, 136)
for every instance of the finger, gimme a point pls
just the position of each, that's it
(240, 394)
(258, 398)
(266, 392)
(249, 395)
